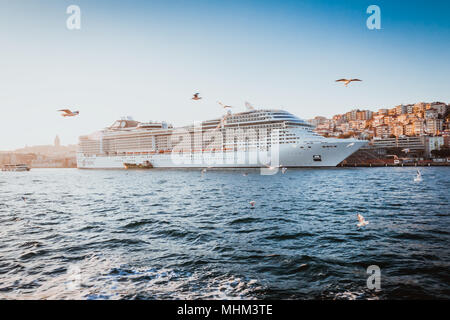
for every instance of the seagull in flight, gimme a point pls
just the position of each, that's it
(196, 97)
(223, 105)
(222, 121)
(248, 106)
(252, 203)
(347, 81)
(68, 113)
(362, 221)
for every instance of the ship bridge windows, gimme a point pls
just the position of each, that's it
(121, 124)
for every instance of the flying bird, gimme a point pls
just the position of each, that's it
(347, 81)
(68, 113)
(248, 106)
(362, 221)
(196, 97)
(252, 203)
(223, 105)
(222, 121)
(283, 170)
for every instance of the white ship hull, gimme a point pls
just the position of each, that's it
(320, 154)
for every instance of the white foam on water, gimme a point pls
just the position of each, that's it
(99, 277)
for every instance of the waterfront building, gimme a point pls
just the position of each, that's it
(440, 107)
(400, 109)
(397, 130)
(434, 126)
(431, 113)
(409, 129)
(433, 143)
(419, 107)
(419, 128)
(410, 108)
(57, 142)
(382, 131)
(414, 144)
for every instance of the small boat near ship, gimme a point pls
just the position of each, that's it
(16, 167)
(144, 165)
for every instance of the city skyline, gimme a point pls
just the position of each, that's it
(311, 120)
(50, 142)
(147, 59)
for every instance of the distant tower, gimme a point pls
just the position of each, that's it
(57, 142)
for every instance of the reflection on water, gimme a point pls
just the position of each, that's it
(178, 234)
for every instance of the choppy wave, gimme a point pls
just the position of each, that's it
(97, 277)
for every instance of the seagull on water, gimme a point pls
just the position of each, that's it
(68, 113)
(271, 167)
(418, 177)
(362, 221)
(196, 97)
(347, 81)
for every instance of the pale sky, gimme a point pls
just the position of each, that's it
(146, 59)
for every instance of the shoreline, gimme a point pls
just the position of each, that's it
(415, 164)
(356, 165)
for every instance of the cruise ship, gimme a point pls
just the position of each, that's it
(250, 139)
